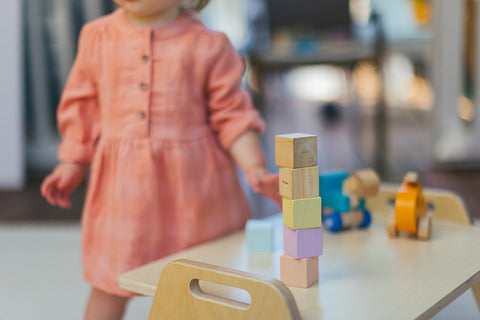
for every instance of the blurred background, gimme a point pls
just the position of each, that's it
(389, 84)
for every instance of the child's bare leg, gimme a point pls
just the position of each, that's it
(105, 306)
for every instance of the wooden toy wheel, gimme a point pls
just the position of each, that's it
(391, 228)
(424, 227)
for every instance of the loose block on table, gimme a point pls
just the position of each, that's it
(296, 150)
(298, 183)
(298, 272)
(260, 235)
(303, 243)
(302, 213)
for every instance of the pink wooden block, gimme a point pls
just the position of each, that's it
(303, 243)
(298, 272)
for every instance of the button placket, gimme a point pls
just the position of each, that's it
(145, 85)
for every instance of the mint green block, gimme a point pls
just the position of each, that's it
(260, 235)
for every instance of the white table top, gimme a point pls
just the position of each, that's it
(363, 274)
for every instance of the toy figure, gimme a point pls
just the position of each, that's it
(411, 208)
(344, 198)
(154, 103)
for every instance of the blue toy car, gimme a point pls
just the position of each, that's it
(343, 198)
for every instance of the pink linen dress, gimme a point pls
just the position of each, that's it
(154, 111)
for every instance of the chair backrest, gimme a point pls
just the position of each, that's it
(179, 295)
(443, 205)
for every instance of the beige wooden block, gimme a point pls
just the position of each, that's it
(298, 272)
(302, 213)
(298, 183)
(296, 150)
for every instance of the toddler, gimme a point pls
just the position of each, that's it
(153, 104)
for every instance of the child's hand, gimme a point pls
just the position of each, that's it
(269, 188)
(58, 185)
(247, 153)
(265, 183)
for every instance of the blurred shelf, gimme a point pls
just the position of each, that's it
(346, 53)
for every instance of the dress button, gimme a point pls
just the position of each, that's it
(143, 86)
(144, 58)
(141, 115)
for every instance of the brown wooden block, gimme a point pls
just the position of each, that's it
(296, 150)
(298, 183)
(298, 272)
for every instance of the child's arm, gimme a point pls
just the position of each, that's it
(234, 119)
(247, 153)
(78, 122)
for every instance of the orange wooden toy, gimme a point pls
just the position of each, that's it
(410, 214)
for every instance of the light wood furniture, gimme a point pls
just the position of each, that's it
(180, 296)
(363, 274)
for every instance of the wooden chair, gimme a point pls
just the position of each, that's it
(179, 294)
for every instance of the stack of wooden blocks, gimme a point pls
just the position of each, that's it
(296, 155)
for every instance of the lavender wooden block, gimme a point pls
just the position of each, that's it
(303, 243)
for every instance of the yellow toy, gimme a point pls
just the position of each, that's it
(410, 214)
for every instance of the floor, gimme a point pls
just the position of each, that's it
(41, 269)
(41, 278)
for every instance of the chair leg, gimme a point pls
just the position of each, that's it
(476, 293)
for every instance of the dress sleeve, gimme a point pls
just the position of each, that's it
(231, 111)
(78, 114)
